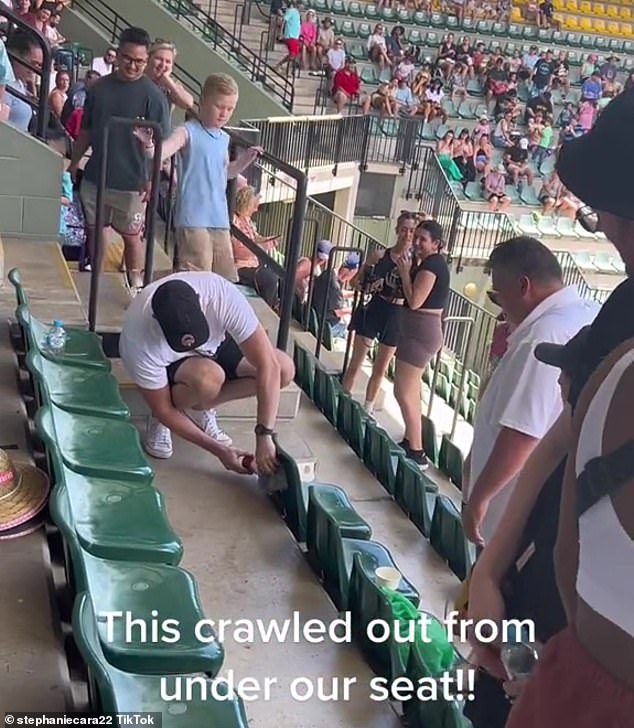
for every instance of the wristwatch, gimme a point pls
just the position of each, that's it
(263, 431)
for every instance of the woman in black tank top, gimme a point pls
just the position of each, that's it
(379, 318)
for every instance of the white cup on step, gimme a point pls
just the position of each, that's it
(388, 577)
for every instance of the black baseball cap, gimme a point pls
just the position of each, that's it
(564, 356)
(176, 308)
(597, 167)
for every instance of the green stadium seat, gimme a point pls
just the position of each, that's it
(77, 389)
(628, 47)
(371, 12)
(451, 461)
(421, 19)
(140, 589)
(452, 23)
(344, 415)
(369, 76)
(545, 36)
(388, 15)
(601, 44)
(515, 31)
(474, 87)
(414, 37)
(326, 390)
(364, 32)
(83, 348)
(118, 520)
(499, 29)
(448, 539)
(332, 517)
(355, 10)
(484, 27)
(573, 40)
(404, 16)
(468, 25)
(432, 40)
(381, 455)
(443, 387)
(527, 225)
(94, 446)
(439, 713)
(368, 602)
(430, 439)
(529, 197)
(349, 31)
(124, 692)
(473, 378)
(566, 227)
(547, 226)
(15, 279)
(473, 191)
(511, 192)
(321, 6)
(529, 33)
(558, 38)
(416, 495)
(337, 7)
(358, 52)
(438, 20)
(292, 500)
(358, 420)
(458, 190)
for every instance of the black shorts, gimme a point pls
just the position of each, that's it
(227, 357)
(493, 196)
(380, 320)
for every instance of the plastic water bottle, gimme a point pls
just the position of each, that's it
(519, 655)
(56, 338)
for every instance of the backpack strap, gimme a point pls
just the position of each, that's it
(603, 475)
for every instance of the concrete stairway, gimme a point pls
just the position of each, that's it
(305, 85)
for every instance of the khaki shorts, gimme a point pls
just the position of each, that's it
(123, 211)
(207, 249)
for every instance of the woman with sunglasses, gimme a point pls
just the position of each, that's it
(379, 320)
(159, 69)
(426, 291)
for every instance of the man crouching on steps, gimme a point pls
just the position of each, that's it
(191, 341)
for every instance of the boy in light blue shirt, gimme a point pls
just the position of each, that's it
(6, 77)
(201, 217)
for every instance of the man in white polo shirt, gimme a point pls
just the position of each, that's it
(522, 399)
(190, 342)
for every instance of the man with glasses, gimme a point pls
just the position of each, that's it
(127, 93)
(521, 400)
(335, 58)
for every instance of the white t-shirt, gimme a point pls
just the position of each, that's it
(145, 352)
(523, 394)
(102, 68)
(336, 58)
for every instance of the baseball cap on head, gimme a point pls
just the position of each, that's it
(176, 308)
(596, 167)
(323, 248)
(351, 261)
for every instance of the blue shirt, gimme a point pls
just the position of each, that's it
(405, 96)
(6, 72)
(591, 89)
(292, 23)
(20, 113)
(202, 179)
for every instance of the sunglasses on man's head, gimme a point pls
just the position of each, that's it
(588, 219)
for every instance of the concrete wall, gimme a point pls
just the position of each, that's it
(30, 186)
(194, 54)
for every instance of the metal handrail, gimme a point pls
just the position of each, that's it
(100, 212)
(44, 73)
(277, 83)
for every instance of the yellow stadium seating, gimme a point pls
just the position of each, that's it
(613, 28)
(598, 9)
(586, 24)
(627, 30)
(625, 12)
(613, 11)
(571, 6)
(598, 26)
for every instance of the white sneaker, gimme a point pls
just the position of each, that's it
(208, 423)
(158, 441)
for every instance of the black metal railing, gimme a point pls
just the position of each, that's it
(314, 141)
(39, 102)
(255, 67)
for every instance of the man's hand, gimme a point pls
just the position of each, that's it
(252, 154)
(472, 516)
(145, 135)
(232, 459)
(265, 456)
(146, 192)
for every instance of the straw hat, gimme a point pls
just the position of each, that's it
(23, 492)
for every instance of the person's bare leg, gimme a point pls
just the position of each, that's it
(360, 350)
(408, 395)
(134, 257)
(381, 363)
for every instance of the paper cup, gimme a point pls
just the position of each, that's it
(388, 577)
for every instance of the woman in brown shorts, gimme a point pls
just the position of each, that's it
(425, 282)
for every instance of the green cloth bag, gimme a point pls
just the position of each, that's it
(451, 168)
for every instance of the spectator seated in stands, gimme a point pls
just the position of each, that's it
(377, 48)
(561, 75)
(39, 18)
(483, 127)
(422, 80)
(494, 189)
(554, 198)
(528, 62)
(609, 71)
(308, 35)
(307, 268)
(406, 68)
(58, 96)
(404, 100)
(23, 46)
(445, 152)
(502, 134)
(592, 88)
(335, 58)
(587, 114)
(588, 67)
(507, 103)
(543, 147)
(447, 54)
(250, 271)
(457, 83)
(483, 155)
(159, 70)
(73, 110)
(541, 104)
(346, 85)
(52, 34)
(516, 159)
(328, 292)
(432, 106)
(382, 100)
(325, 42)
(396, 45)
(105, 64)
(497, 81)
(464, 56)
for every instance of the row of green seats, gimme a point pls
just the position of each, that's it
(416, 493)
(121, 554)
(341, 551)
